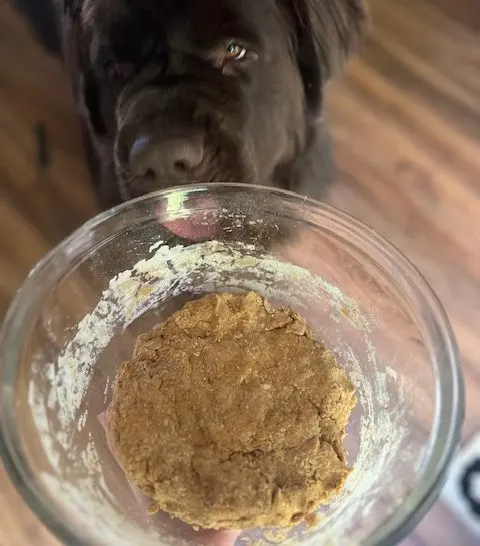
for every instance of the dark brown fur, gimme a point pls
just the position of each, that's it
(149, 70)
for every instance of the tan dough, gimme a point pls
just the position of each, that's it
(231, 415)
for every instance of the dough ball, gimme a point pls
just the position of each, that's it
(231, 415)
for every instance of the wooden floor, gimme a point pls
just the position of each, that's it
(406, 122)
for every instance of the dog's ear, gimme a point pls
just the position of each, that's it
(327, 31)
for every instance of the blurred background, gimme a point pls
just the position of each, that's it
(406, 126)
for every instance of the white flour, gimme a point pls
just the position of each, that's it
(201, 268)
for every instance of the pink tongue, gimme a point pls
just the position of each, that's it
(199, 225)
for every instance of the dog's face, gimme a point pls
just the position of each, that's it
(179, 91)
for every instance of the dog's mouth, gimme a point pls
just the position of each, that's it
(165, 141)
(198, 219)
(220, 165)
(198, 223)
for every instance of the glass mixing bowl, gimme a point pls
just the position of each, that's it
(76, 318)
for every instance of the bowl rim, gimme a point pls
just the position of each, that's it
(451, 389)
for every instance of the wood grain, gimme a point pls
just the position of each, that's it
(406, 126)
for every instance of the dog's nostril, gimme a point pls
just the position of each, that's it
(186, 155)
(150, 174)
(180, 166)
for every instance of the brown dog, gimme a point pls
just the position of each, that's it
(180, 91)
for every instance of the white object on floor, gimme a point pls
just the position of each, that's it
(462, 490)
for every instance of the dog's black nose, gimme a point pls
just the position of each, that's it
(172, 158)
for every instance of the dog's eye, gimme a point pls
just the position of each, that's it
(235, 51)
